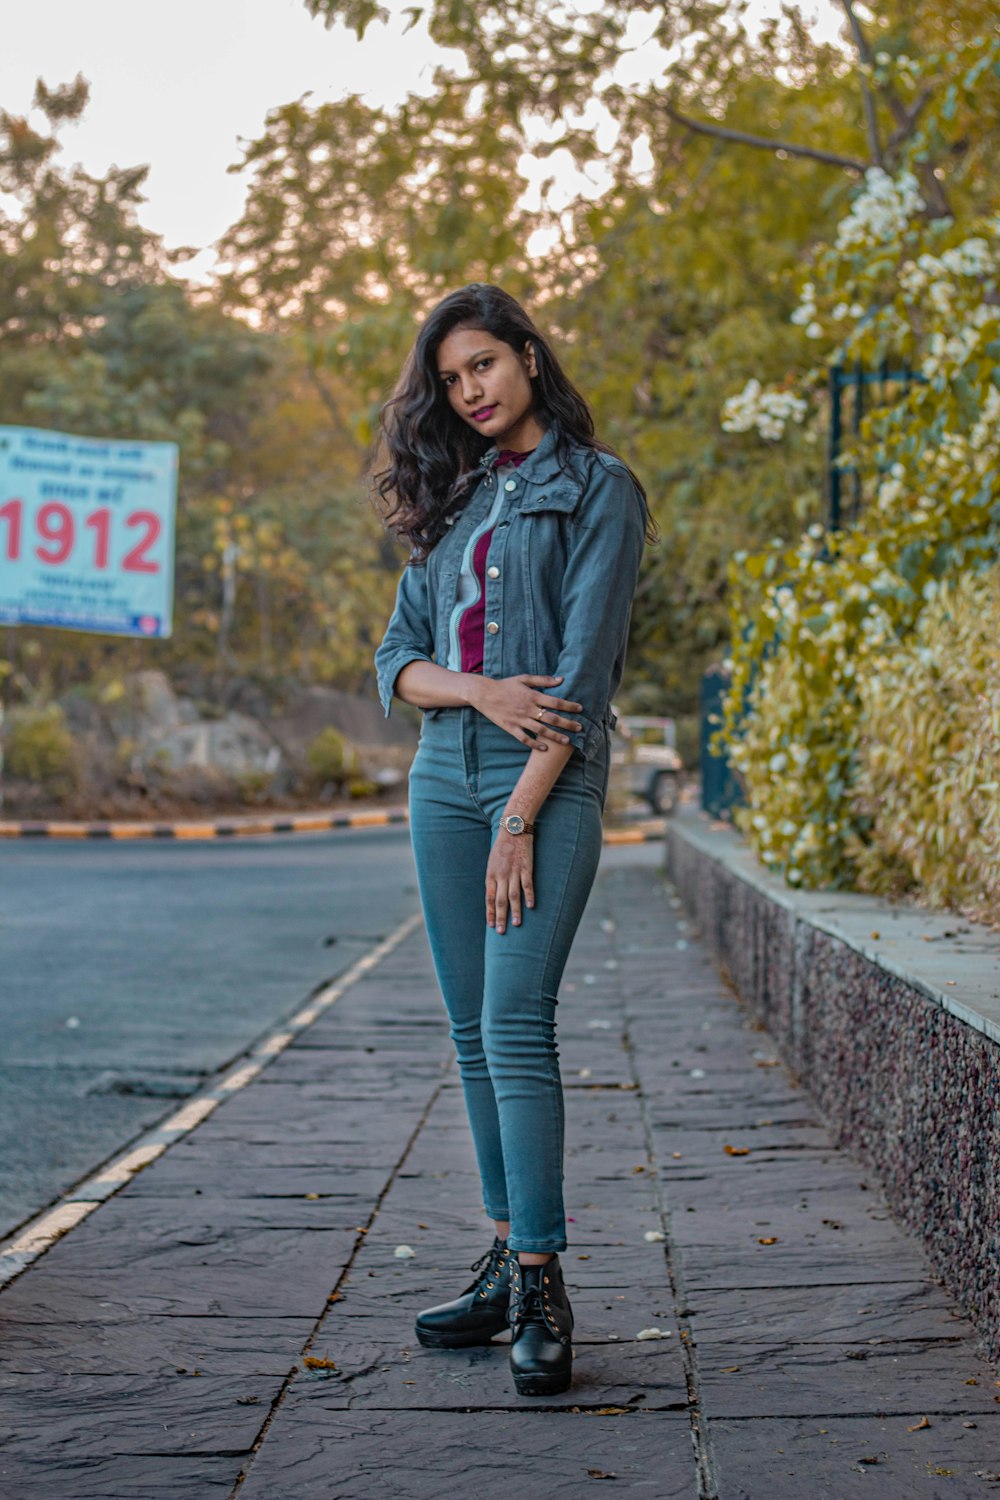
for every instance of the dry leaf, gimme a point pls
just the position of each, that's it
(312, 1363)
(736, 1150)
(601, 1474)
(311, 1195)
(768, 1239)
(729, 1369)
(919, 1426)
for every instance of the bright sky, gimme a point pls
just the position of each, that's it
(177, 85)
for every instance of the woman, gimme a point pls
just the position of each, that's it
(509, 631)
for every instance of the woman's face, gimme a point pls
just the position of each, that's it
(489, 385)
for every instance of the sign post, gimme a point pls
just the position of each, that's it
(87, 532)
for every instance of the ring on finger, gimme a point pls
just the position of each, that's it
(540, 713)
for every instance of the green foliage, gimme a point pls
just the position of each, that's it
(331, 758)
(39, 747)
(815, 624)
(927, 791)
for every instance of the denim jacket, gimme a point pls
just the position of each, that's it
(560, 578)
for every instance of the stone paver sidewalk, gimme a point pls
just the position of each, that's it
(236, 1320)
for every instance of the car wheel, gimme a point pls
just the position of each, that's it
(662, 793)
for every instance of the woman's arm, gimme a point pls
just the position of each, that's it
(513, 703)
(510, 871)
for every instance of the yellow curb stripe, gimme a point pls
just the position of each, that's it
(243, 1075)
(49, 1228)
(191, 1115)
(127, 1166)
(249, 827)
(276, 1043)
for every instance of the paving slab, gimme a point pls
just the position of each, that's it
(318, 1452)
(858, 1458)
(799, 1333)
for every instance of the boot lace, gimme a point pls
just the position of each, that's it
(528, 1308)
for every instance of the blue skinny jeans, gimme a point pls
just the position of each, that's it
(500, 991)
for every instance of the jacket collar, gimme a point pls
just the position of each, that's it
(541, 466)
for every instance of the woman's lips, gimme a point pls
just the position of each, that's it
(483, 413)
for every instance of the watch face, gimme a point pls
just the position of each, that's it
(514, 824)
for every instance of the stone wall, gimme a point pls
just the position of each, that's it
(890, 1016)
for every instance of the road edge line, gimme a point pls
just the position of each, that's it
(21, 1249)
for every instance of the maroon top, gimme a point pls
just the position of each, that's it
(472, 625)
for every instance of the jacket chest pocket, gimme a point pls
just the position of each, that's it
(562, 498)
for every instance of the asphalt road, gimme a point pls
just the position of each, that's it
(129, 973)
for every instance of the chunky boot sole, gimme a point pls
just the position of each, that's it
(431, 1339)
(543, 1385)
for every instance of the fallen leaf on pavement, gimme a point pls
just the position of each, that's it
(312, 1363)
(736, 1150)
(768, 1239)
(919, 1426)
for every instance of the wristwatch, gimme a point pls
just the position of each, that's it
(514, 823)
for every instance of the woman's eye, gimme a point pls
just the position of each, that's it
(484, 364)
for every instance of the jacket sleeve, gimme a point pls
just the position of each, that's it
(598, 588)
(409, 636)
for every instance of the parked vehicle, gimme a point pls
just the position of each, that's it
(644, 760)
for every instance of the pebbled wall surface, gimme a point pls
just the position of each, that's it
(909, 1089)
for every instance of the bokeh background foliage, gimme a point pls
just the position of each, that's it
(762, 203)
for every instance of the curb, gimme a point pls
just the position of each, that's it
(243, 827)
(210, 829)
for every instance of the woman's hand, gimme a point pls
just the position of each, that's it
(515, 703)
(509, 876)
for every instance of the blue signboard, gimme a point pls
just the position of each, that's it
(86, 532)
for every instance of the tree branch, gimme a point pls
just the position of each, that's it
(764, 143)
(867, 97)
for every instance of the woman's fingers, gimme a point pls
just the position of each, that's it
(553, 720)
(507, 894)
(514, 900)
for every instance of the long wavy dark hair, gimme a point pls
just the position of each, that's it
(431, 456)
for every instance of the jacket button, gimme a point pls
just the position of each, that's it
(493, 572)
(492, 627)
(511, 485)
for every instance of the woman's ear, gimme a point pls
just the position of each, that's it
(530, 363)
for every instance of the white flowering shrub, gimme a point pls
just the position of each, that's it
(815, 624)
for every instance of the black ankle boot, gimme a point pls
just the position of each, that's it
(479, 1313)
(541, 1320)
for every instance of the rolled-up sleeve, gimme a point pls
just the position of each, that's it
(409, 635)
(598, 589)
